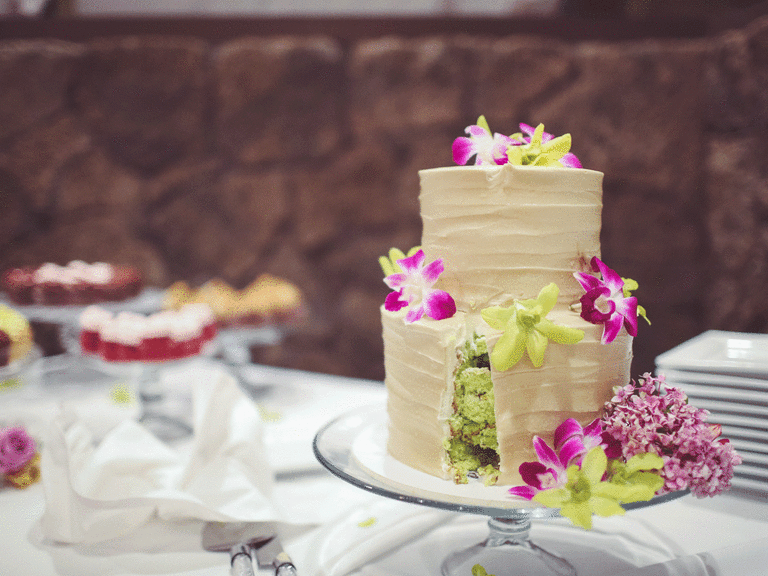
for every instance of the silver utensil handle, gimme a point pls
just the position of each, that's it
(286, 570)
(242, 565)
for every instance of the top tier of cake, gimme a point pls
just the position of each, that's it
(504, 232)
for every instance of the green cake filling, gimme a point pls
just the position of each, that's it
(472, 445)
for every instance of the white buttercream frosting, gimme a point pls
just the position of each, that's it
(503, 234)
(130, 329)
(75, 272)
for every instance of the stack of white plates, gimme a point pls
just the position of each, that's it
(727, 374)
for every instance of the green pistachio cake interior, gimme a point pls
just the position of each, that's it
(472, 445)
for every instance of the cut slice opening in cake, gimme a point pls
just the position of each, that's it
(472, 446)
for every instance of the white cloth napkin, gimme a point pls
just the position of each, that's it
(95, 493)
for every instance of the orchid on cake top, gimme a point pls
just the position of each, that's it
(505, 325)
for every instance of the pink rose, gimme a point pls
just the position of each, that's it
(16, 449)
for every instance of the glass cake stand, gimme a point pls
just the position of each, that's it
(353, 447)
(67, 317)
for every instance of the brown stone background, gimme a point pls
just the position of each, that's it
(298, 155)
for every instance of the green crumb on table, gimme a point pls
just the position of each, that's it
(478, 570)
(473, 444)
(368, 522)
(121, 394)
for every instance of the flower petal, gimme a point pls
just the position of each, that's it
(395, 281)
(611, 328)
(570, 427)
(394, 302)
(412, 264)
(527, 492)
(432, 271)
(415, 314)
(610, 278)
(439, 305)
(529, 472)
(570, 161)
(463, 149)
(587, 281)
(572, 449)
(547, 457)
(509, 349)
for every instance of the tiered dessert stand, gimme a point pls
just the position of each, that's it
(353, 447)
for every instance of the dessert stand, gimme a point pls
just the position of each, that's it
(68, 317)
(353, 447)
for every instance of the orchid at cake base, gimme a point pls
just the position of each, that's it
(649, 442)
(578, 477)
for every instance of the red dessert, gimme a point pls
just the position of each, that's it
(159, 337)
(77, 283)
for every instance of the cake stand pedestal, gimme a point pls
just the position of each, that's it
(353, 447)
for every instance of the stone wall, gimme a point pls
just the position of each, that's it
(299, 156)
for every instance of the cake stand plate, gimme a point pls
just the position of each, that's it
(353, 447)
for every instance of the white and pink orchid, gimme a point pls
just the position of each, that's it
(413, 287)
(486, 147)
(605, 301)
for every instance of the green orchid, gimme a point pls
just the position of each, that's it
(526, 329)
(629, 287)
(539, 148)
(585, 493)
(637, 472)
(389, 263)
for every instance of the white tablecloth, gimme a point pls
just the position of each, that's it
(727, 535)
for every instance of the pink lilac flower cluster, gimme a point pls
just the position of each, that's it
(648, 416)
(16, 449)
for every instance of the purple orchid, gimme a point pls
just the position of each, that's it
(548, 472)
(413, 287)
(572, 443)
(487, 148)
(569, 160)
(605, 301)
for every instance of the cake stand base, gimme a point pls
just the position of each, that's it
(507, 552)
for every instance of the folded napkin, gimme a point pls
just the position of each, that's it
(748, 559)
(100, 492)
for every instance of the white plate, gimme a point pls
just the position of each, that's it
(753, 459)
(754, 450)
(716, 351)
(738, 397)
(747, 423)
(714, 380)
(716, 407)
(760, 437)
(749, 485)
(747, 470)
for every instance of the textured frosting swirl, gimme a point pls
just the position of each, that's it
(506, 231)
